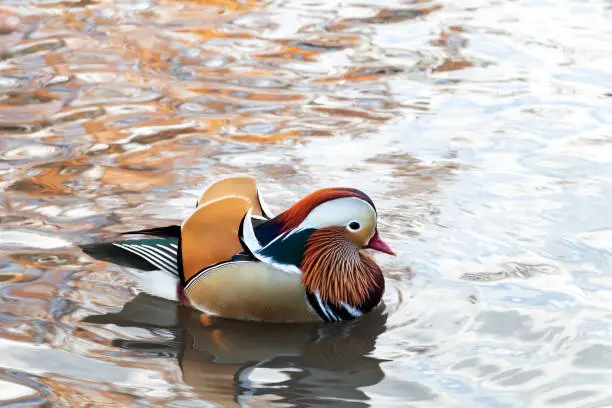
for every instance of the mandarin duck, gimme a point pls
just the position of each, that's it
(233, 258)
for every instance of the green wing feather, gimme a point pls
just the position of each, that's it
(145, 254)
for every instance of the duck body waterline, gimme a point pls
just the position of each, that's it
(233, 258)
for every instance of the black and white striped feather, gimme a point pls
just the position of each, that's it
(161, 253)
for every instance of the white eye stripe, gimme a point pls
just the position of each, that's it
(341, 211)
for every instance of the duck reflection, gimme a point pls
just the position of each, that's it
(233, 362)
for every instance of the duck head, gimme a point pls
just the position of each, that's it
(322, 237)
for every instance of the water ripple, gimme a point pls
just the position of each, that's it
(481, 130)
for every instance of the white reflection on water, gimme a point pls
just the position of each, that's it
(480, 128)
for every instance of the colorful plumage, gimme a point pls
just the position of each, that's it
(233, 258)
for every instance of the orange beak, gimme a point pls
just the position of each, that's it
(378, 244)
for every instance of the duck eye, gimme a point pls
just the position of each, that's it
(354, 225)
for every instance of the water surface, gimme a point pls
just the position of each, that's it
(481, 128)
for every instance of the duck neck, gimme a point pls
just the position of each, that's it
(337, 276)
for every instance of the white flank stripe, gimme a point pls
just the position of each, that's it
(248, 234)
(175, 246)
(352, 310)
(331, 312)
(323, 307)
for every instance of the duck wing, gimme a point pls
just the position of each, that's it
(244, 186)
(210, 235)
(241, 186)
(171, 231)
(144, 254)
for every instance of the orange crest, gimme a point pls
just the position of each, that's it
(294, 216)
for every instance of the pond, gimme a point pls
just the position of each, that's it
(482, 130)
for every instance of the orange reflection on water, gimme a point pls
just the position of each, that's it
(477, 128)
